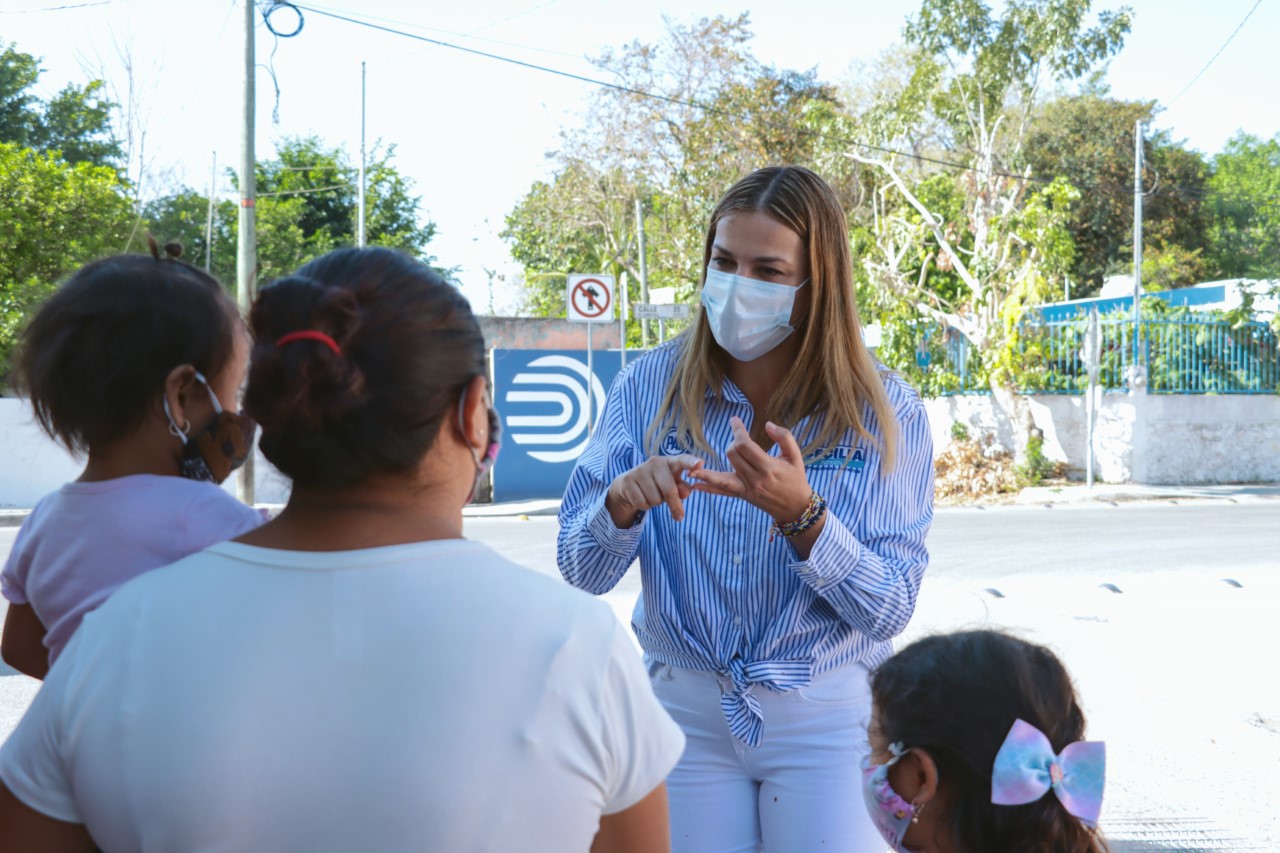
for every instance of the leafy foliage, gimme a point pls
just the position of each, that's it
(719, 114)
(57, 216)
(76, 122)
(307, 204)
(1245, 199)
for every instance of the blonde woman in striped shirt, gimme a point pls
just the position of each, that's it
(776, 483)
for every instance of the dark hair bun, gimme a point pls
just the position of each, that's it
(172, 249)
(319, 385)
(407, 345)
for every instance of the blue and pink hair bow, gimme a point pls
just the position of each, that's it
(1026, 769)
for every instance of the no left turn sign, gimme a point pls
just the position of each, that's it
(590, 298)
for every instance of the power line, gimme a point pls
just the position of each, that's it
(707, 108)
(306, 191)
(512, 17)
(454, 33)
(55, 8)
(1215, 56)
(606, 84)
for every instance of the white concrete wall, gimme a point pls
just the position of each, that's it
(32, 466)
(1160, 439)
(1144, 438)
(1224, 439)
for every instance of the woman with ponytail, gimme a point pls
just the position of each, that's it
(353, 675)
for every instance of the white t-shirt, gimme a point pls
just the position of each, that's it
(423, 697)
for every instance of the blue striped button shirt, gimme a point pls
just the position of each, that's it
(717, 595)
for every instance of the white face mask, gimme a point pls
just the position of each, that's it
(748, 317)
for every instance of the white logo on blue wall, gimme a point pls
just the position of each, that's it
(565, 432)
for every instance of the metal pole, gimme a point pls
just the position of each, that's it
(208, 222)
(1137, 241)
(247, 254)
(591, 375)
(1094, 350)
(622, 314)
(360, 206)
(644, 272)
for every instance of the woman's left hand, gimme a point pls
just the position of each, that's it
(777, 485)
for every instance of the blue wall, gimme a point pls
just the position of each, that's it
(541, 397)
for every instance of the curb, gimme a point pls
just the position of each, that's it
(1117, 494)
(510, 509)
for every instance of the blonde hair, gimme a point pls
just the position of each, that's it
(834, 373)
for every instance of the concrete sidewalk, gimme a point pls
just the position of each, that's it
(1114, 493)
(1075, 493)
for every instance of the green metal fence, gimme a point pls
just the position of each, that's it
(1183, 355)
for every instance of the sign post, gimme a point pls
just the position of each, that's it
(651, 311)
(589, 299)
(623, 300)
(662, 296)
(1091, 355)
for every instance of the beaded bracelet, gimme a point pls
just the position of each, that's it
(816, 507)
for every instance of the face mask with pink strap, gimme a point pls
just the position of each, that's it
(1025, 769)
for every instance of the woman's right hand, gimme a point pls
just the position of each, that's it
(655, 481)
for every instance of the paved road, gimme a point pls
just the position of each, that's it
(1172, 669)
(983, 544)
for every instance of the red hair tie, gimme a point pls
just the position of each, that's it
(310, 335)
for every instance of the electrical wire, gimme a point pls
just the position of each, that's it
(512, 17)
(706, 108)
(606, 84)
(1215, 56)
(455, 34)
(55, 8)
(306, 191)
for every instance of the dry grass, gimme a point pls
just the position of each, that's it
(971, 470)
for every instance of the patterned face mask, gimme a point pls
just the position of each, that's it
(889, 812)
(220, 448)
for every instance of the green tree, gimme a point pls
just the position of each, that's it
(1088, 139)
(1244, 197)
(981, 76)
(582, 221)
(57, 217)
(19, 108)
(718, 113)
(76, 122)
(307, 205)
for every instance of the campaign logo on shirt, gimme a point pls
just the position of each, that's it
(841, 456)
(672, 446)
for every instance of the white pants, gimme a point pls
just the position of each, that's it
(800, 791)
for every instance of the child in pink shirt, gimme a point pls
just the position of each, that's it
(128, 362)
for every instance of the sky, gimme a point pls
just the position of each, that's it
(473, 133)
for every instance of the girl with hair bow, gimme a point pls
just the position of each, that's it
(977, 746)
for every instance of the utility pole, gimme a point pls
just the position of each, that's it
(247, 256)
(208, 222)
(360, 206)
(1137, 244)
(644, 273)
(623, 304)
